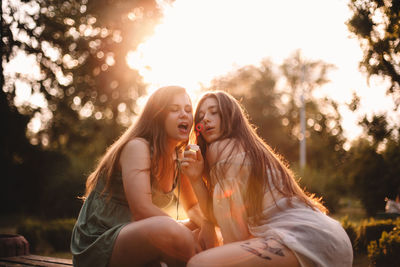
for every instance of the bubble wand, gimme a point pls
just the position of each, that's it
(198, 129)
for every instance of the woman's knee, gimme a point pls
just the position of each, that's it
(154, 238)
(174, 235)
(167, 236)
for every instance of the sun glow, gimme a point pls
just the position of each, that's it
(201, 40)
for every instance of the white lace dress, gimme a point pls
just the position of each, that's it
(315, 238)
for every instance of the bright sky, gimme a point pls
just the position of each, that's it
(199, 40)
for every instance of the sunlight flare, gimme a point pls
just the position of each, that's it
(198, 41)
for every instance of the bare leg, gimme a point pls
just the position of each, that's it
(254, 252)
(151, 240)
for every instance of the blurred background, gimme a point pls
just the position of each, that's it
(319, 79)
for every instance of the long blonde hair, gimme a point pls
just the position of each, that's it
(150, 125)
(236, 126)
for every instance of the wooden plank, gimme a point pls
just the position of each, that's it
(49, 259)
(35, 260)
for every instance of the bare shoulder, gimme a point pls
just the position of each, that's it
(222, 149)
(136, 147)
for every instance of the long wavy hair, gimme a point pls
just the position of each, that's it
(150, 125)
(236, 126)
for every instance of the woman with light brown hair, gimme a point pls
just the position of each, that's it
(248, 191)
(121, 222)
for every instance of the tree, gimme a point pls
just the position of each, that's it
(377, 128)
(323, 128)
(323, 131)
(374, 175)
(366, 170)
(255, 88)
(80, 47)
(88, 92)
(275, 111)
(373, 164)
(376, 24)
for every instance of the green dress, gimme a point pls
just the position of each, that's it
(100, 220)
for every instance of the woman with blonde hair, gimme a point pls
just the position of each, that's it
(121, 222)
(248, 191)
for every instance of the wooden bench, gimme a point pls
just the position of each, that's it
(14, 251)
(34, 260)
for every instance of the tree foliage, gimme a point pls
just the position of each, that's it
(376, 23)
(377, 128)
(323, 119)
(88, 93)
(374, 175)
(373, 164)
(255, 88)
(81, 50)
(274, 110)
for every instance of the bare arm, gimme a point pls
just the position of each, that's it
(190, 203)
(206, 237)
(135, 166)
(192, 167)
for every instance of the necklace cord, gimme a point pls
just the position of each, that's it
(177, 181)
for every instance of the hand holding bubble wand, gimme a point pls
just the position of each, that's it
(198, 129)
(192, 148)
(193, 156)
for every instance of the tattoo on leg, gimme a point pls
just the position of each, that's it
(261, 251)
(276, 251)
(254, 251)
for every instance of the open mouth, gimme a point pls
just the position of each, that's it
(183, 126)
